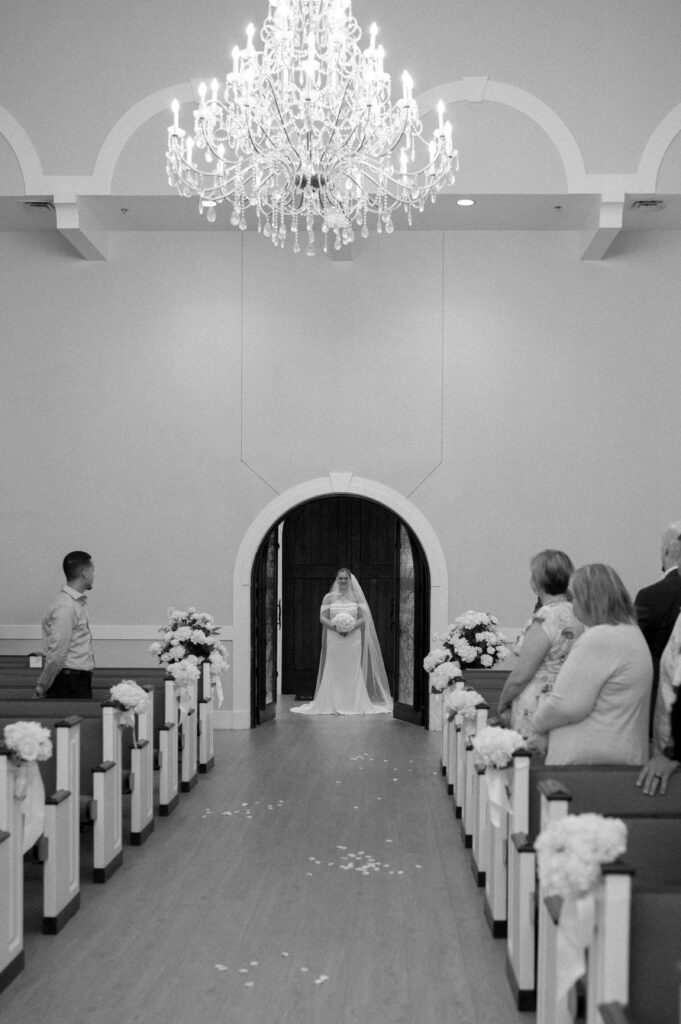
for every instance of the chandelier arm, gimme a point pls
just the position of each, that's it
(335, 126)
(281, 120)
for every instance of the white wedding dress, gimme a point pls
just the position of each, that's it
(342, 689)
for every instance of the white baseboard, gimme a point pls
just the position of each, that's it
(231, 720)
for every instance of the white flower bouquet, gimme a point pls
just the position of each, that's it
(184, 673)
(129, 696)
(496, 746)
(444, 675)
(343, 622)
(462, 702)
(191, 636)
(436, 657)
(474, 640)
(571, 852)
(28, 741)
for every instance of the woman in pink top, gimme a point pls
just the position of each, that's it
(545, 642)
(598, 710)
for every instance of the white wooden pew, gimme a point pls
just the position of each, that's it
(469, 810)
(58, 848)
(11, 876)
(206, 720)
(61, 868)
(188, 732)
(142, 777)
(107, 798)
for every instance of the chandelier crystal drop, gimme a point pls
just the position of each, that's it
(305, 133)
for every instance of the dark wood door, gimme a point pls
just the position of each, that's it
(413, 630)
(264, 630)
(319, 538)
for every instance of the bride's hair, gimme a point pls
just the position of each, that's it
(343, 569)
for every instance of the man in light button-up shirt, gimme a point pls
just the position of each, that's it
(69, 658)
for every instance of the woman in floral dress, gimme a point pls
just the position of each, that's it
(544, 643)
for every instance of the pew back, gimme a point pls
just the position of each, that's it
(603, 789)
(655, 941)
(50, 712)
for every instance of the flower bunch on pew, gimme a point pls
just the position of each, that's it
(495, 746)
(191, 636)
(184, 673)
(446, 674)
(28, 741)
(461, 701)
(132, 700)
(475, 641)
(572, 851)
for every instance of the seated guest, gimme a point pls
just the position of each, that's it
(598, 710)
(667, 723)
(545, 642)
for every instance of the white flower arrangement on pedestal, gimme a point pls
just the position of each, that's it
(460, 701)
(475, 641)
(191, 636)
(28, 742)
(572, 851)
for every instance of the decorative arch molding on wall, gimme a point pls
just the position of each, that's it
(23, 149)
(470, 89)
(335, 483)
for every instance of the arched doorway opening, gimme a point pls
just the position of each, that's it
(316, 538)
(236, 713)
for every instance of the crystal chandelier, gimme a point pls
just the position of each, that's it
(304, 131)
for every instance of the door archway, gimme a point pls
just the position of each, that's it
(239, 717)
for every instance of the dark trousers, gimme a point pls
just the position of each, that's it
(71, 682)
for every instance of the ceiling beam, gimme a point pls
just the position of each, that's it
(610, 220)
(80, 227)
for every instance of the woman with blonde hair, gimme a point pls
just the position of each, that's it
(598, 710)
(545, 642)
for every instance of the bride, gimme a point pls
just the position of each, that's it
(351, 678)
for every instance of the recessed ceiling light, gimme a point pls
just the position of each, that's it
(465, 202)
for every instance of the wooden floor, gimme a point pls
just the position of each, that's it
(240, 907)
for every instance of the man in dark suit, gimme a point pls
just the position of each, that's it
(658, 606)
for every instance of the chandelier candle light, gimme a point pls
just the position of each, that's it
(304, 131)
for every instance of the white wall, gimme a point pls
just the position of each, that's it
(126, 385)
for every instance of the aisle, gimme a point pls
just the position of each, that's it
(315, 876)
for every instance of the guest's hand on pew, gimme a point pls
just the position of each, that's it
(655, 775)
(504, 714)
(537, 742)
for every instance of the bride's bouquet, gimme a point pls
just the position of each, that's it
(343, 622)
